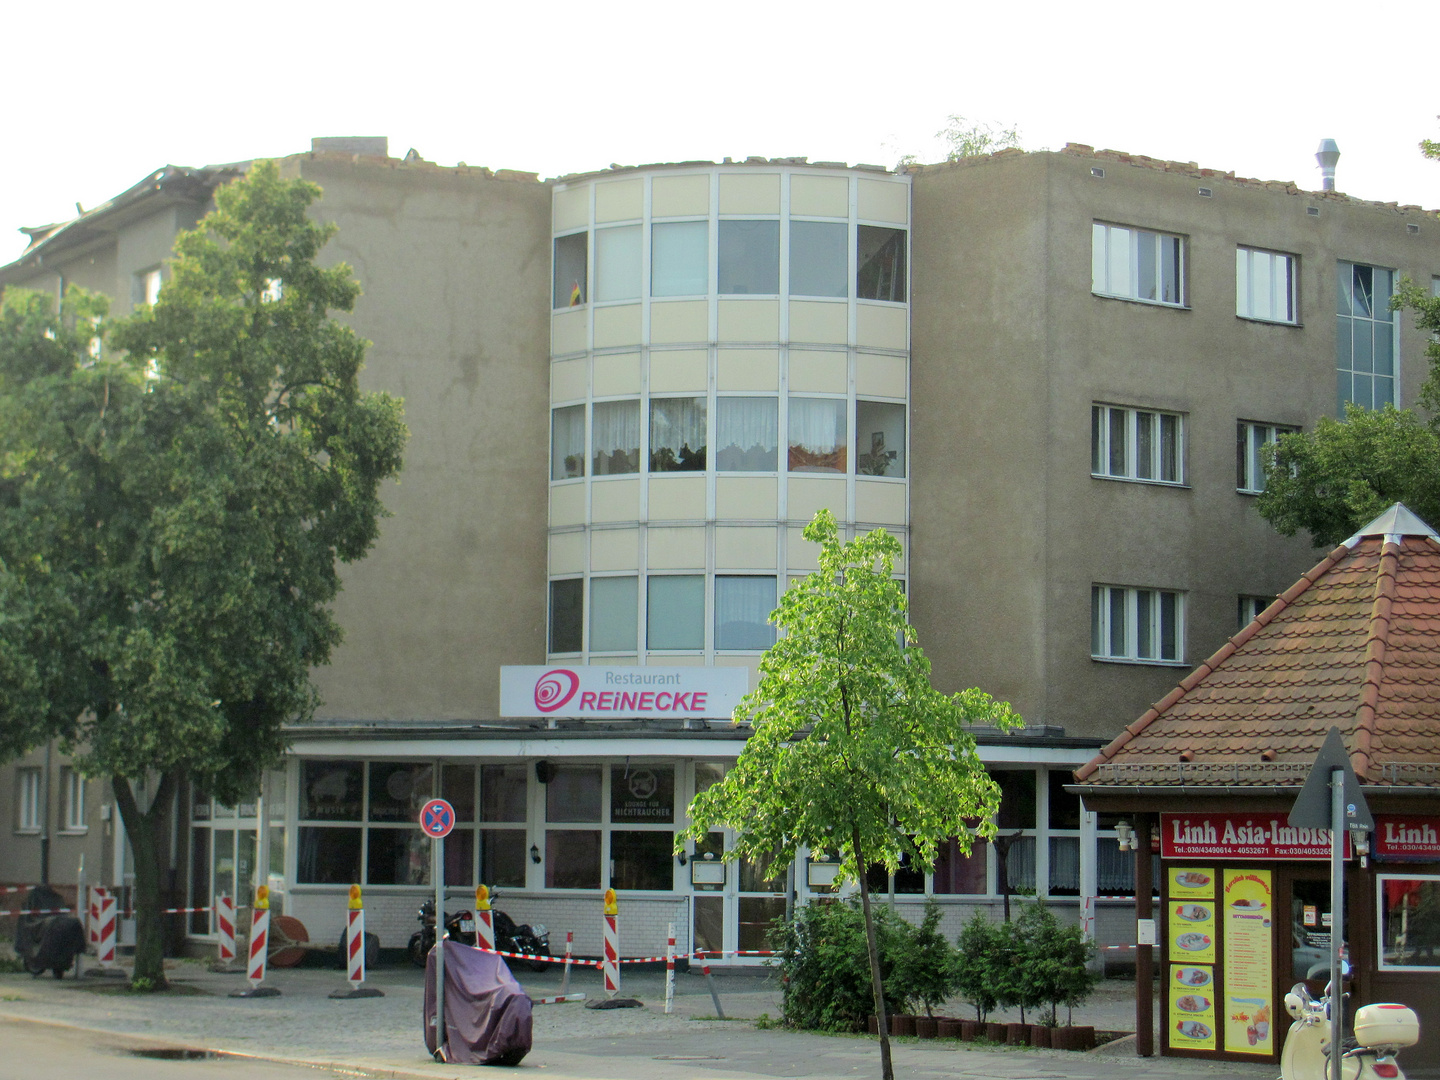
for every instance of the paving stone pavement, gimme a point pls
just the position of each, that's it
(382, 1036)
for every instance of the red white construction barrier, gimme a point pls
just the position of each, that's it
(40, 911)
(484, 919)
(97, 894)
(558, 999)
(670, 970)
(109, 924)
(225, 929)
(612, 944)
(259, 941)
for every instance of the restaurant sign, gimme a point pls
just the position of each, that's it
(618, 693)
(1407, 837)
(1241, 836)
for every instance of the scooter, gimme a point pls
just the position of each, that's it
(1380, 1032)
(510, 937)
(47, 941)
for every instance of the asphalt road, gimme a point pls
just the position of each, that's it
(38, 1051)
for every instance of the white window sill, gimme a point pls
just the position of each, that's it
(1140, 300)
(1249, 491)
(1141, 480)
(1131, 661)
(26, 831)
(75, 830)
(1268, 322)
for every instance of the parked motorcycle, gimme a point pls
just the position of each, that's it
(47, 941)
(510, 936)
(1380, 1031)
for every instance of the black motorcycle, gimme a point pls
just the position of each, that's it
(510, 936)
(47, 941)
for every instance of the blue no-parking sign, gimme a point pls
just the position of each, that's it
(437, 818)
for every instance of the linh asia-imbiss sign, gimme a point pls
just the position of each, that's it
(1241, 836)
(615, 693)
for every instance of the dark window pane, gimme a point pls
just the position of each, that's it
(458, 789)
(1017, 798)
(818, 266)
(502, 857)
(1064, 807)
(642, 860)
(956, 873)
(642, 793)
(881, 264)
(460, 858)
(566, 615)
(398, 789)
(757, 913)
(328, 856)
(572, 859)
(331, 790)
(502, 792)
(570, 270)
(398, 857)
(573, 794)
(1064, 866)
(750, 257)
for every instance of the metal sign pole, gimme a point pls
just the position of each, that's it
(1337, 923)
(438, 874)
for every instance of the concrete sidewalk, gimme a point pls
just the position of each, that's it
(383, 1037)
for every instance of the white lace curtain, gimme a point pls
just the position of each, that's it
(615, 437)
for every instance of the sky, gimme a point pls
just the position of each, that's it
(99, 101)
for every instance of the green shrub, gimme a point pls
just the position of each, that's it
(825, 967)
(924, 972)
(977, 959)
(1057, 962)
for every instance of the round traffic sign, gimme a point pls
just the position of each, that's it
(437, 818)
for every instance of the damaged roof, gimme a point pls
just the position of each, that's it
(1354, 644)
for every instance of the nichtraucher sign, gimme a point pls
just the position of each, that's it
(622, 692)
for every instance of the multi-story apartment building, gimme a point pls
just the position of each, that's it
(1049, 374)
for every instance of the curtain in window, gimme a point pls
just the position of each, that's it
(747, 433)
(1065, 864)
(617, 263)
(675, 615)
(615, 437)
(1020, 864)
(1114, 869)
(677, 434)
(817, 435)
(742, 609)
(567, 442)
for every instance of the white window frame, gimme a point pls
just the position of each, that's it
(1380, 321)
(1380, 882)
(148, 285)
(72, 787)
(1265, 286)
(28, 783)
(1101, 623)
(1248, 608)
(1249, 469)
(1116, 264)
(1134, 467)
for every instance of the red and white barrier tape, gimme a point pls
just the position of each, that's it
(40, 911)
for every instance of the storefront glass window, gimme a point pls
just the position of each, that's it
(572, 859)
(573, 794)
(398, 789)
(1409, 922)
(642, 860)
(331, 790)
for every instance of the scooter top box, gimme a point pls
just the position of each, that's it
(1386, 1025)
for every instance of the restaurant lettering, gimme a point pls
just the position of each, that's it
(622, 692)
(1241, 836)
(1407, 837)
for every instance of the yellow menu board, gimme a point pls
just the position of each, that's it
(1247, 904)
(1190, 915)
(1192, 1007)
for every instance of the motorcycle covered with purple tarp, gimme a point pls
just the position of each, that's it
(487, 1013)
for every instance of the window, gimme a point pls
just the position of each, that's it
(749, 257)
(567, 442)
(617, 263)
(879, 439)
(615, 438)
(742, 612)
(1248, 608)
(566, 615)
(817, 439)
(679, 258)
(572, 856)
(1137, 264)
(614, 613)
(148, 284)
(1409, 908)
(1250, 442)
(880, 264)
(1136, 444)
(1366, 347)
(1136, 624)
(72, 787)
(273, 292)
(27, 785)
(570, 254)
(818, 263)
(677, 434)
(675, 612)
(747, 434)
(1265, 286)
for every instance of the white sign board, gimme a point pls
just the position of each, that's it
(614, 693)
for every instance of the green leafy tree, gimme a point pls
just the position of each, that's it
(852, 749)
(925, 969)
(1054, 966)
(1334, 479)
(172, 514)
(978, 955)
(970, 138)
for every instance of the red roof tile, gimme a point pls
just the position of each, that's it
(1354, 644)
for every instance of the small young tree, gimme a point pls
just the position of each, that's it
(851, 747)
(172, 516)
(824, 970)
(975, 960)
(925, 969)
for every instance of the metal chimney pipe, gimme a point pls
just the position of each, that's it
(1327, 156)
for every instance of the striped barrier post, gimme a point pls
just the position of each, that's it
(484, 919)
(259, 947)
(355, 951)
(710, 982)
(92, 915)
(107, 928)
(670, 971)
(612, 944)
(565, 979)
(224, 930)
